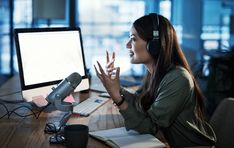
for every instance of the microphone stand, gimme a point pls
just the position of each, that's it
(59, 129)
(65, 107)
(56, 98)
(62, 122)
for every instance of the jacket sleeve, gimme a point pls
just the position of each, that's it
(135, 119)
(173, 92)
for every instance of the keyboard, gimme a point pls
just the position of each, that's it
(89, 105)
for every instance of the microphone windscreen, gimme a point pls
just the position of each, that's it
(75, 79)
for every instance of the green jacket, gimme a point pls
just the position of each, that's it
(172, 112)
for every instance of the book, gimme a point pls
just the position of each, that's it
(121, 138)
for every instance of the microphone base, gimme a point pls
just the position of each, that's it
(58, 126)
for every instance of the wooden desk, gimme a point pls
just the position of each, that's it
(28, 132)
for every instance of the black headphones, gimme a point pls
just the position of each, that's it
(153, 46)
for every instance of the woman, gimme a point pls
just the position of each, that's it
(170, 101)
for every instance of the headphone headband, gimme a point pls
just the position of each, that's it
(154, 45)
(155, 21)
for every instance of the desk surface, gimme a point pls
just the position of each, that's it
(28, 132)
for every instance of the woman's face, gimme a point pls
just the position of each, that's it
(137, 49)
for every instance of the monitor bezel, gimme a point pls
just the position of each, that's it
(17, 31)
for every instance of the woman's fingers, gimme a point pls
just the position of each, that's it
(110, 64)
(110, 82)
(117, 72)
(109, 70)
(113, 56)
(97, 73)
(102, 72)
(107, 57)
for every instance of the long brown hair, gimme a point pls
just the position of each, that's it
(170, 55)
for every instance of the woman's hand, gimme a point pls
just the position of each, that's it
(110, 64)
(111, 83)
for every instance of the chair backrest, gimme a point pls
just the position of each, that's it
(222, 122)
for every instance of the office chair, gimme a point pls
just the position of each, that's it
(222, 122)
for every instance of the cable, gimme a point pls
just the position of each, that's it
(43, 109)
(9, 113)
(12, 93)
(11, 101)
(14, 111)
(5, 109)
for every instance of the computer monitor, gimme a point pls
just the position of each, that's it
(46, 56)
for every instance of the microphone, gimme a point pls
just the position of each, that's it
(64, 89)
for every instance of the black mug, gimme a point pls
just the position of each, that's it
(76, 135)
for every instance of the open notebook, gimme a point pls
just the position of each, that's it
(120, 137)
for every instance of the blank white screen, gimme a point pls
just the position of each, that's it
(50, 56)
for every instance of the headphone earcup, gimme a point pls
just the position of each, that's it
(153, 47)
